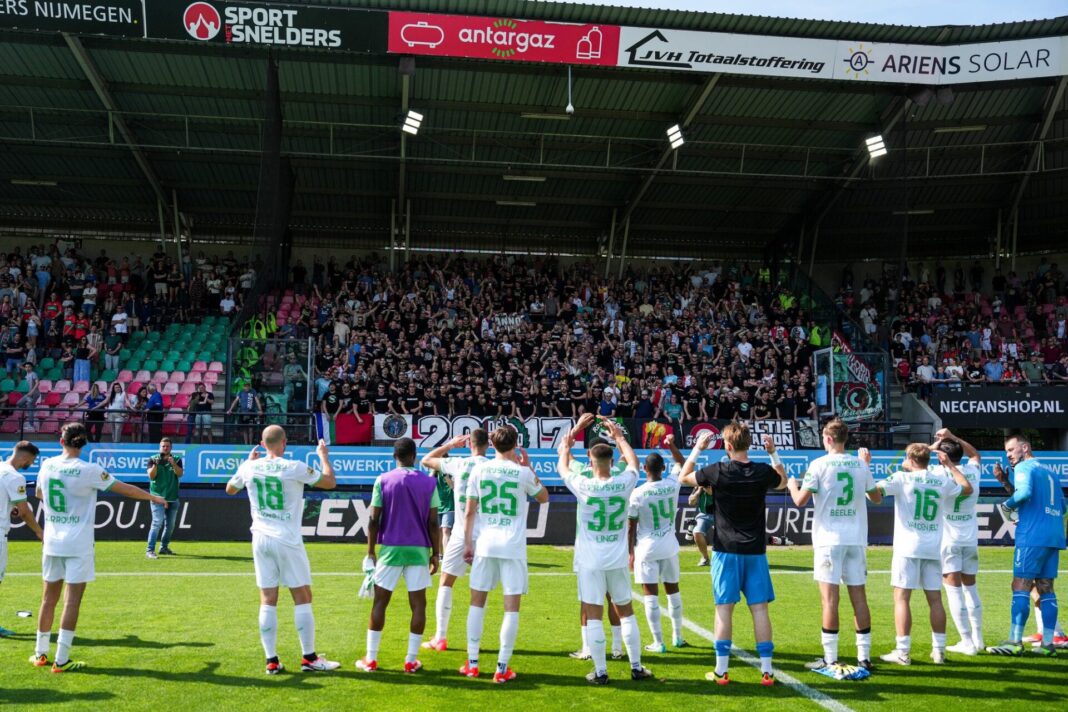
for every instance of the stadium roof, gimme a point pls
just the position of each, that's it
(765, 158)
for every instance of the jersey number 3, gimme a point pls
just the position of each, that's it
(608, 514)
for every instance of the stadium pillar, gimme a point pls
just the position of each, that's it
(623, 252)
(1015, 234)
(392, 234)
(812, 252)
(177, 226)
(407, 229)
(611, 244)
(997, 244)
(162, 226)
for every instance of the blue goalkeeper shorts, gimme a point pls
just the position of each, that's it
(737, 574)
(1035, 562)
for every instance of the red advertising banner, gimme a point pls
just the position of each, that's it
(502, 38)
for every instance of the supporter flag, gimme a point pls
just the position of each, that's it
(345, 430)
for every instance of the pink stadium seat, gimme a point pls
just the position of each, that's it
(53, 399)
(216, 367)
(168, 399)
(125, 376)
(44, 386)
(174, 424)
(281, 320)
(181, 401)
(160, 377)
(133, 387)
(177, 377)
(199, 366)
(14, 397)
(59, 415)
(170, 388)
(103, 386)
(211, 378)
(188, 388)
(61, 386)
(193, 378)
(11, 425)
(48, 427)
(143, 376)
(80, 387)
(72, 399)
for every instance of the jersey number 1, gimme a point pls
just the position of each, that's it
(663, 511)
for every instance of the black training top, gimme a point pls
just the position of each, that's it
(740, 489)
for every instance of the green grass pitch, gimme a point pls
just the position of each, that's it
(181, 633)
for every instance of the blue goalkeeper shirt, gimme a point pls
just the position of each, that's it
(1040, 502)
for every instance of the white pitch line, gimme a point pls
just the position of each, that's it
(823, 700)
(208, 574)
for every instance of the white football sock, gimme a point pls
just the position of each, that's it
(617, 638)
(652, 617)
(43, 641)
(632, 639)
(374, 640)
(304, 620)
(595, 638)
(975, 612)
(830, 647)
(585, 639)
(1038, 620)
(958, 612)
(938, 640)
(442, 612)
(63, 643)
(675, 613)
(904, 643)
(414, 640)
(509, 632)
(475, 618)
(864, 646)
(269, 630)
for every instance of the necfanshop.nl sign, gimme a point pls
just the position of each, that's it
(993, 407)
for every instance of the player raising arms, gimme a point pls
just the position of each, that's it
(457, 470)
(275, 487)
(13, 496)
(67, 487)
(739, 541)
(495, 543)
(1039, 503)
(921, 500)
(837, 483)
(601, 546)
(960, 547)
(654, 548)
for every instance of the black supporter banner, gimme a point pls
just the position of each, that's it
(121, 18)
(997, 407)
(343, 517)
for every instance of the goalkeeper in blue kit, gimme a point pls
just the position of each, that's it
(1038, 503)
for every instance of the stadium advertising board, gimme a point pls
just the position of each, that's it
(502, 38)
(214, 464)
(210, 515)
(121, 18)
(993, 407)
(246, 23)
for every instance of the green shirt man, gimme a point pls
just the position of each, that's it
(164, 472)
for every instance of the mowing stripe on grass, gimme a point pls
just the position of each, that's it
(360, 573)
(823, 700)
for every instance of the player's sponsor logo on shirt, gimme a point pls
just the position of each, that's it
(21, 489)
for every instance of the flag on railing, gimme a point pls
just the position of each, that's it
(344, 430)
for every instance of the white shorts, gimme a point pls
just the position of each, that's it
(279, 564)
(838, 564)
(915, 574)
(488, 571)
(453, 562)
(416, 578)
(656, 570)
(959, 558)
(594, 584)
(3, 556)
(72, 569)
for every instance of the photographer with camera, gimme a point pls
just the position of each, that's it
(164, 471)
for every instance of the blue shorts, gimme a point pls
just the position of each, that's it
(1035, 562)
(735, 574)
(704, 525)
(446, 519)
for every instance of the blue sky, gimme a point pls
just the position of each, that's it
(897, 12)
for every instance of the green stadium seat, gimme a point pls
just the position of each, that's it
(168, 366)
(153, 336)
(125, 355)
(46, 364)
(108, 376)
(7, 385)
(157, 355)
(150, 365)
(185, 366)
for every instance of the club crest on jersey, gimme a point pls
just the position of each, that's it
(21, 489)
(104, 476)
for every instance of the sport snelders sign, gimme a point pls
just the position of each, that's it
(993, 407)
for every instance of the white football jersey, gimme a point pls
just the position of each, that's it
(838, 483)
(276, 492)
(601, 519)
(459, 469)
(502, 489)
(653, 505)
(12, 492)
(67, 489)
(962, 528)
(921, 500)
